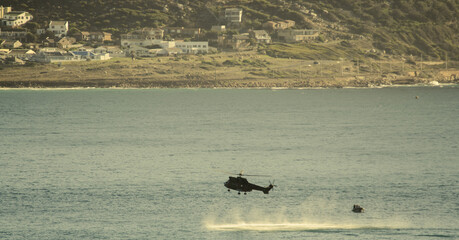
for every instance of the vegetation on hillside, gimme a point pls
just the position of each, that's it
(411, 27)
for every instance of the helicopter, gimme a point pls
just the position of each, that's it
(241, 184)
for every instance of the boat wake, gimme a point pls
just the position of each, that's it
(288, 226)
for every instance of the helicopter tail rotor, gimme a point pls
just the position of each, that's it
(271, 186)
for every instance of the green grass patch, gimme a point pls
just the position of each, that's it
(313, 51)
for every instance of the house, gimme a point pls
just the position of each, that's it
(240, 41)
(100, 36)
(14, 61)
(4, 10)
(95, 36)
(169, 52)
(4, 52)
(114, 51)
(33, 46)
(235, 42)
(23, 54)
(13, 35)
(11, 44)
(218, 28)
(15, 18)
(49, 56)
(50, 50)
(182, 32)
(83, 36)
(261, 36)
(289, 23)
(40, 31)
(278, 25)
(143, 34)
(192, 47)
(297, 35)
(84, 55)
(86, 48)
(151, 33)
(128, 43)
(139, 51)
(59, 28)
(233, 15)
(49, 42)
(142, 37)
(65, 42)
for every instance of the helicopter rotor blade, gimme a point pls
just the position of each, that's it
(241, 173)
(272, 183)
(255, 175)
(229, 173)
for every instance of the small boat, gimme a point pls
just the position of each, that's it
(358, 209)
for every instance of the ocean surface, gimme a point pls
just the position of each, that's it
(151, 163)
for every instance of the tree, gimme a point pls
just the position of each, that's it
(32, 26)
(211, 35)
(47, 34)
(30, 37)
(74, 31)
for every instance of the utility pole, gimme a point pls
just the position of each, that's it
(446, 60)
(358, 66)
(342, 69)
(320, 66)
(421, 62)
(301, 75)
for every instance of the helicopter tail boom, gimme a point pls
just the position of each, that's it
(266, 190)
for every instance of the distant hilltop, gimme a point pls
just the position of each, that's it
(408, 27)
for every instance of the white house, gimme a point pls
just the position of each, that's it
(59, 28)
(261, 36)
(297, 35)
(23, 54)
(193, 47)
(54, 56)
(114, 51)
(233, 15)
(4, 10)
(127, 43)
(16, 18)
(139, 51)
(218, 28)
(84, 55)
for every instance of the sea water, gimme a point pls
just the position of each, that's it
(151, 163)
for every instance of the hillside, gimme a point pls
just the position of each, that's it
(398, 27)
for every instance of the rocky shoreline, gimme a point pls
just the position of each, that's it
(222, 84)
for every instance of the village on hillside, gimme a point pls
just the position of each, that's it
(54, 42)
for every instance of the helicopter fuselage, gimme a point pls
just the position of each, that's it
(241, 184)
